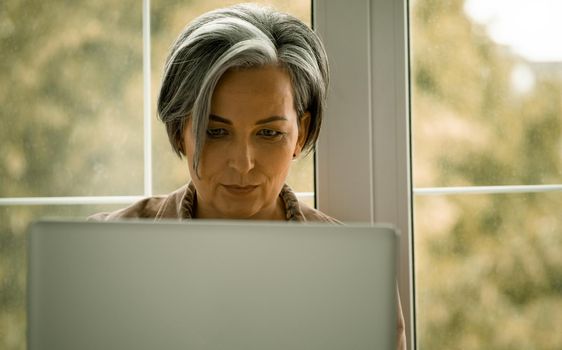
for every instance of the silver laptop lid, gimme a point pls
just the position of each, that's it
(210, 285)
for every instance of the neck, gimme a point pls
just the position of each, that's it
(275, 212)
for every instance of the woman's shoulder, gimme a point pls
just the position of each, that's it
(155, 207)
(297, 210)
(311, 214)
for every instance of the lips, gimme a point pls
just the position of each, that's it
(237, 189)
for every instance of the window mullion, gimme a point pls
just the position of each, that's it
(147, 99)
(506, 189)
(82, 200)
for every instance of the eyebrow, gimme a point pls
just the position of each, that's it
(274, 118)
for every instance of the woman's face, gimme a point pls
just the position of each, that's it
(252, 136)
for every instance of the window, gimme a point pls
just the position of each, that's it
(78, 131)
(485, 176)
(486, 85)
(483, 192)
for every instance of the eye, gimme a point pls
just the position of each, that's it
(216, 132)
(270, 134)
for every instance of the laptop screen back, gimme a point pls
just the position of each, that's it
(210, 285)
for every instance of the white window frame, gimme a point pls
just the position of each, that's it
(363, 156)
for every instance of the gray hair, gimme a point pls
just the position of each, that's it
(240, 36)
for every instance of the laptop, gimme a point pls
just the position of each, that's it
(210, 285)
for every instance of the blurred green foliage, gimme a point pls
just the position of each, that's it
(488, 267)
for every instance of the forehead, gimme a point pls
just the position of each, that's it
(260, 83)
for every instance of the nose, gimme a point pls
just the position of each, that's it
(241, 156)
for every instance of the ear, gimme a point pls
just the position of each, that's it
(303, 125)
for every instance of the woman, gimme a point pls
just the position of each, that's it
(243, 94)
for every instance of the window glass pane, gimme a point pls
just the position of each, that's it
(71, 97)
(168, 18)
(486, 83)
(489, 271)
(13, 263)
(486, 92)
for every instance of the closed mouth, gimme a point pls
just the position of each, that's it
(240, 189)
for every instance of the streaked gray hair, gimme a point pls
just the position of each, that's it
(240, 36)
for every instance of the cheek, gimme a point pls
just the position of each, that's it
(212, 162)
(189, 147)
(276, 161)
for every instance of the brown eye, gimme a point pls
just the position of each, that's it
(268, 133)
(216, 132)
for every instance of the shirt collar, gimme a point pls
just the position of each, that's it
(293, 210)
